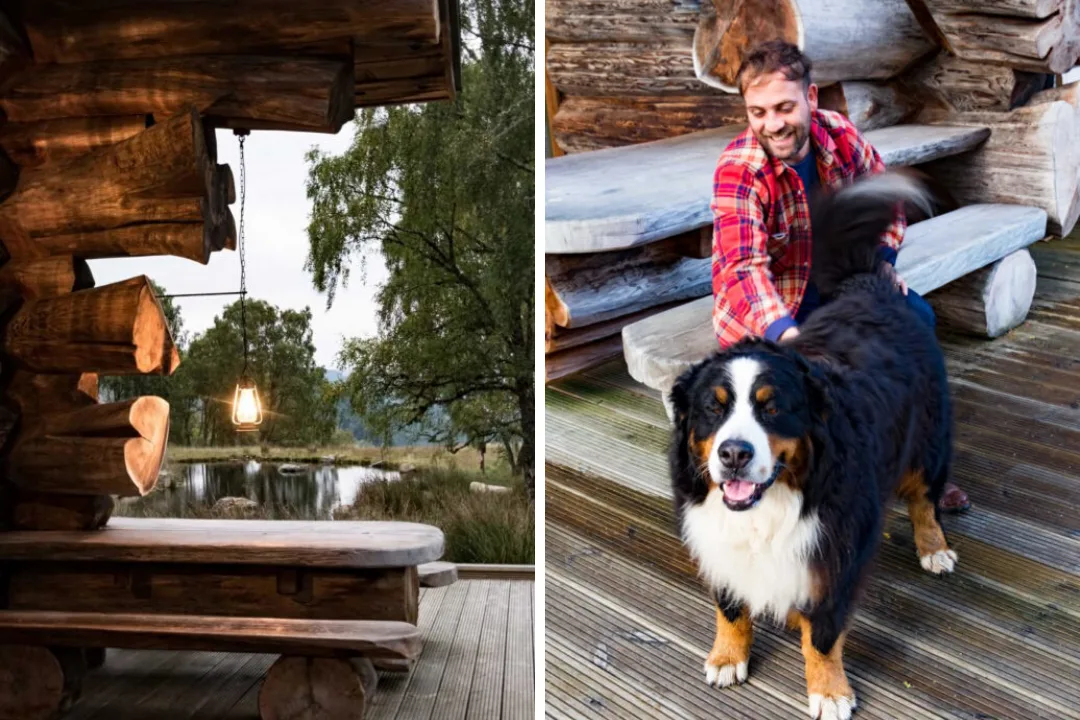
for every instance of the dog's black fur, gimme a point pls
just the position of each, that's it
(864, 384)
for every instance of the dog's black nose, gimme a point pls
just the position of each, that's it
(735, 454)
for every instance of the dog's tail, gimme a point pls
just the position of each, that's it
(849, 223)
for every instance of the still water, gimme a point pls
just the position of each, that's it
(193, 488)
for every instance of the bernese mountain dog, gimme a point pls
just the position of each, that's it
(784, 456)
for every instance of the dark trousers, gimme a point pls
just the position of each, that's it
(812, 301)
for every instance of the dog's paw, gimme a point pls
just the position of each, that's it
(722, 675)
(943, 561)
(824, 707)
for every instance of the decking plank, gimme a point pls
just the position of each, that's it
(452, 701)
(485, 698)
(518, 688)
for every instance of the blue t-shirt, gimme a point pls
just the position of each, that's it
(807, 170)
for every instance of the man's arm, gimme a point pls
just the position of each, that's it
(740, 267)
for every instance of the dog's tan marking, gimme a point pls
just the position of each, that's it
(721, 394)
(825, 677)
(929, 537)
(795, 455)
(730, 656)
(764, 393)
(702, 449)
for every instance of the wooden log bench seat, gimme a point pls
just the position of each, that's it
(935, 253)
(331, 597)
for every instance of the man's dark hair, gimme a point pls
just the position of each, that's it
(774, 56)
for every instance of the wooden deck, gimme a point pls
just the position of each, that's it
(477, 664)
(629, 626)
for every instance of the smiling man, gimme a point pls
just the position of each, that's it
(765, 183)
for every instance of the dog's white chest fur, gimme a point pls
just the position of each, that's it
(761, 555)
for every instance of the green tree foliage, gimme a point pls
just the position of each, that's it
(299, 403)
(444, 191)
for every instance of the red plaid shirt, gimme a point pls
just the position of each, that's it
(761, 226)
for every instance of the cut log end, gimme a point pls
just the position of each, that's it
(298, 687)
(31, 683)
(722, 39)
(991, 301)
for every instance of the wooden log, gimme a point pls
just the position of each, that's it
(948, 83)
(569, 362)
(73, 666)
(300, 688)
(116, 329)
(34, 144)
(991, 301)
(620, 20)
(1031, 158)
(191, 240)
(869, 105)
(623, 69)
(437, 574)
(14, 53)
(591, 123)
(47, 511)
(559, 338)
(70, 31)
(240, 91)
(44, 277)
(31, 683)
(1026, 35)
(161, 175)
(106, 449)
(866, 40)
(36, 394)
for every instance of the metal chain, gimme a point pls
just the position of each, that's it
(243, 265)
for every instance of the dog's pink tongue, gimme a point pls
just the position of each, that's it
(738, 489)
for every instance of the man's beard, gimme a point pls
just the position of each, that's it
(783, 151)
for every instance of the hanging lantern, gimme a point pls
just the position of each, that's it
(247, 408)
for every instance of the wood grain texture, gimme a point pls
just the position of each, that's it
(31, 683)
(437, 574)
(49, 511)
(869, 105)
(316, 638)
(106, 449)
(41, 277)
(949, 83)
(596, 201)
(569, 362)
(621, 69)
(991, 301)
(560, 338)
(620, 20)
(231, 91)
(243, 542)
(934, 252)
(191, 240)
(116, 329)
(34, 144)
(862, 40)
(70, 31)
(298, 688)
(217, 590)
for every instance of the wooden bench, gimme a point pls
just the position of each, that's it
(935, 252)
(322, 594)
(624, 197)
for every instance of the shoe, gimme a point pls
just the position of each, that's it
(953, 499)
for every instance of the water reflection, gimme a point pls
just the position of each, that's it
(311, 493)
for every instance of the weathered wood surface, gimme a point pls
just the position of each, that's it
(956, 85)
(43, 277)
(298, 687)
(162, 175)
(214, 589)
(48, 511)
(437, 574)
(331, 638)
(70, 31)
(934, 252)
(569, 362)
(587, 21)
(40, 394)
(620, 69)
(238, 91)
(991, 301)
(31, 683)
(192, 240)
(33, 144)
(1031, 158)
(859, 40)
(115, 329)
(558, 338)
(868, 105)
(243, 542)
(584, 123)
(597, 202)
(1021, 35)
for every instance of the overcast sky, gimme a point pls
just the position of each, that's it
(276, 216)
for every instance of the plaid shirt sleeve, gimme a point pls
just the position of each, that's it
(869, 162)
(740, 262)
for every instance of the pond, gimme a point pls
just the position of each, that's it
(191, 489)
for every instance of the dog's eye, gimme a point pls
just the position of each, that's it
(770, 408)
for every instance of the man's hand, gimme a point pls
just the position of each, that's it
(890, 272)
(789, 334)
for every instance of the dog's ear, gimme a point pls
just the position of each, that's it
(679, 395)
(681, 464)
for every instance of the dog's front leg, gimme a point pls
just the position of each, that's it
(729, 661)
(831, 697)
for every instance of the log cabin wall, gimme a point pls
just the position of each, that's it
(624, 72)
(107, 149)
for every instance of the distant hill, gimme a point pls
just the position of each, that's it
(352, 422)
